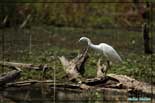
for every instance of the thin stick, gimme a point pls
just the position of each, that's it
(54, 82)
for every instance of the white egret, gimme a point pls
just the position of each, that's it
(108, 51)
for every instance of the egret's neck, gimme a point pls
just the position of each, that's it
(93, 46)
(88, 41)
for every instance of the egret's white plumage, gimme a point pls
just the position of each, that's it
(108, 51)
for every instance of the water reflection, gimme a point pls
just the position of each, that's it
(42, 94)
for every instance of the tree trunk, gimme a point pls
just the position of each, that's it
(147, 48)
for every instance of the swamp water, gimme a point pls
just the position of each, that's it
(48, 94)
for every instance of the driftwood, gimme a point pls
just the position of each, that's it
(15, 73)
(23, 65)
(30, 82)
(128, 82)
(111, 83)
(9, 77)
(75, 67)
(101, 69)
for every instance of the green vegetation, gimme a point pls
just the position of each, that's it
(50, 42)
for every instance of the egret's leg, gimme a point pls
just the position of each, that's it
(108, 67)
(108, 62)
(105, 71)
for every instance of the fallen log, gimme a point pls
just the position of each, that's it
(29, 82)
(109, 83)
(24, 65)
(102, 82)
(9, 77)
(128, 82)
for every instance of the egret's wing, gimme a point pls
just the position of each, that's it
(111, 53)
(114, 56)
